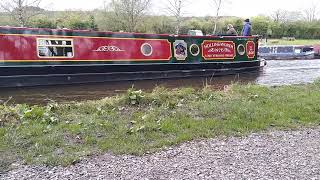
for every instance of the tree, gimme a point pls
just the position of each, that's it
(74, 20)
(261, 25)
(162, 25)
(129, 12)
(22, 10)
(92, 23)
(217, 4)
(311, 12)
(175, 8)
(279, 15)
(41, 22)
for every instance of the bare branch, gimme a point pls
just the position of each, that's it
(283, 16)
(217, 5)
(21, 10)
(176, 9)
(310, 14)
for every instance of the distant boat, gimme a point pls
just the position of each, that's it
(284, 52)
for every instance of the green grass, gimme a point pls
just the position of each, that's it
(139, 122)
(296, 42)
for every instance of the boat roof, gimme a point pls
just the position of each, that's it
(111, 32)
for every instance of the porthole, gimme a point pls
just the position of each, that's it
(241, 49)
(146, 49)
(194, 50)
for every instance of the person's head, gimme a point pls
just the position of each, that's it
(229, 26)
(246, 21)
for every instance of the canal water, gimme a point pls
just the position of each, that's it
(276, 73)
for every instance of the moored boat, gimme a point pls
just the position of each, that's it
(286, 52)
(31, 57)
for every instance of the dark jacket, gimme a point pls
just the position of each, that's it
(246, 31)
(232, 32)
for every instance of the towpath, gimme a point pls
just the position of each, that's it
(271, 155)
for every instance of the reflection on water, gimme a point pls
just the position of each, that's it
(290, 72)
(276, 73)
(67, 93)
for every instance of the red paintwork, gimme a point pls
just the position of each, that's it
(316, 49)
(84, 48)
(215, 49)
(251, 49)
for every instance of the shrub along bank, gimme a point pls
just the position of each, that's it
(139, 122)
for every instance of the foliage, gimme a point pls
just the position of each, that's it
(75, 20)
(129, 13)
(309, 42)
(138, 122)
(275, 27)
(134, 97)
(92, 23)
(42, 22)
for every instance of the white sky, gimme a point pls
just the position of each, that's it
(240, 8)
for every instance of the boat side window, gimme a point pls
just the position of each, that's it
(55, 48)
(307, 49)
(264, 50)
(297, 50)
(285, 49)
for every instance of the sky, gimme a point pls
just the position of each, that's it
(240, 8)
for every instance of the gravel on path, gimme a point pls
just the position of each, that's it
(270, 155)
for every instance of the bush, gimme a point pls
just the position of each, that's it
(42, 23)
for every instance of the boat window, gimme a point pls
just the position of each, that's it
(57, 48)
(241, 49)
(194, 50)
(285, 49)
(146, 49)
(264, 50)
(307, 49)
(297, 51)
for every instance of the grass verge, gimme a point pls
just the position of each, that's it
(295, 42)
(138, 122)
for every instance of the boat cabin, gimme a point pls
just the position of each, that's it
(286, 52)
(35, 56)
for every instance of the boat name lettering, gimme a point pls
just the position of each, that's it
(109, 49)
(218, 44)
(219, 50)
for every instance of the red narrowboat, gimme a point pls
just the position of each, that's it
(31, 57)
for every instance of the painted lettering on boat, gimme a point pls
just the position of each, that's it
(251, 49)
(214, 49)
(108, 49)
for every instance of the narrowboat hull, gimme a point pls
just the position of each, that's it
(34, 57)
(59, 75)
(287, 56)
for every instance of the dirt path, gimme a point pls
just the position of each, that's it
(273, 155)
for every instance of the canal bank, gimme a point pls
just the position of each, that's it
(138, 122)
(276, 73)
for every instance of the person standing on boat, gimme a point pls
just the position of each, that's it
(231, 31)
(246, 31)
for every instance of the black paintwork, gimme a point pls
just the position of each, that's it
(52, 75)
